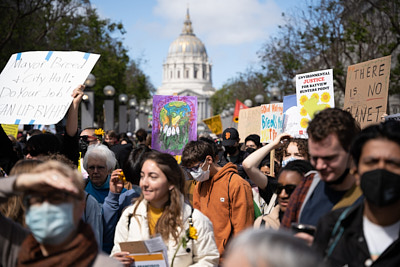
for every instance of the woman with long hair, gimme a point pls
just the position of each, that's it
(162, 210)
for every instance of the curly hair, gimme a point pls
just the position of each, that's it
(336, 121)
(171, 219)
(301, 144)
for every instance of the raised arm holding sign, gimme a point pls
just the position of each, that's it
(36, 87)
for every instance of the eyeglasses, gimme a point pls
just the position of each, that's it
(53, 198)
(195, 168)
(88, 138)
(289, 188)
(99, 168)
(31, 151)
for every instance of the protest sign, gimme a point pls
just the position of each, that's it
(10, 129)
(238, 107)
(174, 123)
(214, 123)
(367, 87)
(249, 122)
(314, 92)
(36, 87)
(292, 118)
(271, 121)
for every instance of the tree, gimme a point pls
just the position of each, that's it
(334, 34)
(245, 86)
(72, 25)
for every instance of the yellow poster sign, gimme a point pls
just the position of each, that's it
(10, 129)
(214, 123)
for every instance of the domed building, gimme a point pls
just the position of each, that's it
(187, 70)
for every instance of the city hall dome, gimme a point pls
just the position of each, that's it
(187, 43)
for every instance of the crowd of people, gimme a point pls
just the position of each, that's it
(76, 198)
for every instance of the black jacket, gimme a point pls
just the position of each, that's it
(351, 248)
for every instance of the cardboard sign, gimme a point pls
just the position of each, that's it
(314, 92)
(271, 121)
(174, 123)
(367, 87)
(249, 122)
(214, 123)
(36, 87)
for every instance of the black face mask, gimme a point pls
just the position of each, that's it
(381, 187)
(250, 150)
(230, 149)
(83, 146)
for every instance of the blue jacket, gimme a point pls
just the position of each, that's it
(93, 215)
(100, 193)
(113, 206)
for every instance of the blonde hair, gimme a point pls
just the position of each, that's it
(14, 208)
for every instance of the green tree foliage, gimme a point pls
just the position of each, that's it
(245, 86)
(72, 25)
(333, 34)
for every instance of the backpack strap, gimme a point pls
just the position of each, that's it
(337, 233)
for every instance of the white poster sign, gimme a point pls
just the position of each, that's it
(314, 92)
(36, 87)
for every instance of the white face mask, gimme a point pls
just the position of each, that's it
(286, 161)
(199, 175)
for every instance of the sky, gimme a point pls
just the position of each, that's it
(233, 31)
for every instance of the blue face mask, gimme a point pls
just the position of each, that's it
(286, 161)
(50, 224)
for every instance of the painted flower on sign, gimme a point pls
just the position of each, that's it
(325, 97)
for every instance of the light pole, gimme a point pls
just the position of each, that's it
(132, 115)
(275, 92)
(109, 92)
(248, 103)
(123, 98)
(259, 99)
(87, 105)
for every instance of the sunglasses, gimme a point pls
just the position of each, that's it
(31, 151)
(195, 168)
(289, 188)
(87, 138)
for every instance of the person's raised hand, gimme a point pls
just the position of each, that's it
(44, 181)
(77, 94)
(116, 183)
(281, 139)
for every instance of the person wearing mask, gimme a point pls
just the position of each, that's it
(252, 143)
(221, 194)
(367, 233)
(232, 152)
(57, 236)
(253, 163)
(161, 209)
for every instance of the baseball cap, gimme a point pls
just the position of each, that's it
(230, 136)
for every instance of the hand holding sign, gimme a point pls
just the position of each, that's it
(36, 87)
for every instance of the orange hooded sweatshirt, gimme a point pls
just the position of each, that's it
(229, 215)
